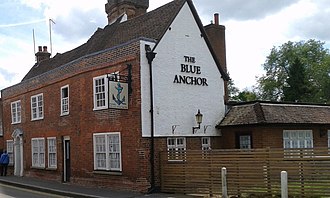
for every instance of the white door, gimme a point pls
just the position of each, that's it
(17, 135)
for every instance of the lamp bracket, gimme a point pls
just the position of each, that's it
(173, 128)
(205, 128)
(196, 128)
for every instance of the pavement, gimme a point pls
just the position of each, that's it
(71, 190)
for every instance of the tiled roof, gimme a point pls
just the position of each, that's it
(151, 25)
(261, 113)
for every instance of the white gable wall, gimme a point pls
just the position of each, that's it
(175, 103)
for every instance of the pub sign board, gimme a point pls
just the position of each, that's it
(118, 95)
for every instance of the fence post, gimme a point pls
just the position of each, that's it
(284, 184)
(224, 182)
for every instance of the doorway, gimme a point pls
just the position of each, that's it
(66, 159)
(17, 135)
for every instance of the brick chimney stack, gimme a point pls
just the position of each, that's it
(217, 37)
(132, 8)
(42, 54)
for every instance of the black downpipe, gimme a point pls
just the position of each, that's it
(150, 56)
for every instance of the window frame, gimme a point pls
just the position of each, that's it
(176, 151)
(41, 155)
(328, 138)
(239, 142)
(65, 101)
(289, 138)
(51, 151)
(37, 107)
(107, 152)
(10, 151)
(16, 117)
(106, 92)
(206, 145)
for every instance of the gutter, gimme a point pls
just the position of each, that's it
(150, 56)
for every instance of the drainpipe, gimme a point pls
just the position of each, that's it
(150, 56)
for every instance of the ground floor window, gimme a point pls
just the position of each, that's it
(176, 148)
(38, 152)
(243, 140)
(107, 151)
(328, 138)
(52, 159)
(206, 143)
(10, 151)
(297, 139)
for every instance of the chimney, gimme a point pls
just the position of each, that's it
(132, 8)
(42, 54)
(217, 38)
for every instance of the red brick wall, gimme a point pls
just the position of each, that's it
(192, 143)
(1, 128)
(272, 137)
(82, 121)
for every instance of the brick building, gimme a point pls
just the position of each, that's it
(101, 113)
(263, 124)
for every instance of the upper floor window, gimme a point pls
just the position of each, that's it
(298, 139)
(107, 151)
(10, 151)
(65, 100)
(37, 107)
(16, 112)
(101, 90)
(101, 95)
(38, 152)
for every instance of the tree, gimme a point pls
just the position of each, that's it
(246, 96)
(297, 88)
(232, 90)
(309, 60)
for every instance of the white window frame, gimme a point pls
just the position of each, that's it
(97, 93)
(176, 147)
(104, 158)
(16, 112)
(328, 138)
(52, 152)
(38, 106)
(65, 101)
(10, 151)
(206, 143)
(245, 141)
(1, 130)
(38, 152)
(295, 139)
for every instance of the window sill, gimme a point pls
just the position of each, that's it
(100, 172)
(40, 168)
(51, 169)
(36, 119)
(64, 114)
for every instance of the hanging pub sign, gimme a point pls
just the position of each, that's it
(118, 95)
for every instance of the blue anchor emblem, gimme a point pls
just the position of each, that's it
(119, 90)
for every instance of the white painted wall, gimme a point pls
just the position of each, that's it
(177, 104)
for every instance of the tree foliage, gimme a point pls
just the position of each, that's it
(296, 71)
(240, 96)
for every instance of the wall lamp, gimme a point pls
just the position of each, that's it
(199, 119)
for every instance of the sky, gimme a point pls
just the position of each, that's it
(253, 28)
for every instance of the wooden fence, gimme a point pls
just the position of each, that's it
(256, 171)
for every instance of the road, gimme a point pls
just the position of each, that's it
(7, 191)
